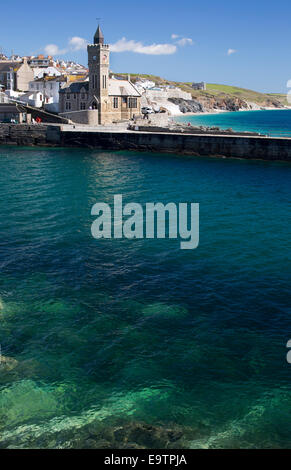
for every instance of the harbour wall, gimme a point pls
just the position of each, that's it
(248, 147)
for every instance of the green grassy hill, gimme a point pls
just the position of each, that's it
(245, 94)
(216, 94)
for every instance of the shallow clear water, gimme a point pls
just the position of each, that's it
(274, 123)
(118, 332)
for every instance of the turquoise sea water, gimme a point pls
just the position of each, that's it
(138, 343)
(274, 123)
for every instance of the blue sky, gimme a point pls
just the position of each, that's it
(242, 43)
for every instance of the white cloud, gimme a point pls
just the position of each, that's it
(123, 45)
(74, 44)
(77, 44)
(182, 41)
(53, 49)
(185, 42)
(231, 51)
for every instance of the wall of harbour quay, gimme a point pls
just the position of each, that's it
(23, 134)
(228, 146)
(264, 148)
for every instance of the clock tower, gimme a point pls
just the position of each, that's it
(98, 62)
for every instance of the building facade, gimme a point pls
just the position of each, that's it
(199, 86)
(49, 86)
(15, 75)
(40, 61)
(3, 97)
(112, 99)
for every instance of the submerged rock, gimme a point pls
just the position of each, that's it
(160, 310)
(7, 363)
(133, 435)
(26, 400)
(9, 310)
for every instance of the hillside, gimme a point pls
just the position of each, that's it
(220, 96)
(248, 95)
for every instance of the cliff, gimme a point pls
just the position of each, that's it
(188, 106)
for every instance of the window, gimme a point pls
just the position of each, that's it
(94, 81)
(94, 57)
(68, 96)
(68, 106)
(115, 102)
(83, 106)
(51, 86)
(104, 81)
(132, 103)
(124, 100)
(75, 96)
(83, 96)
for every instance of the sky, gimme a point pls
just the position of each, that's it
(239, 43)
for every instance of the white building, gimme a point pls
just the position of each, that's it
(39, 72)
(157, 94)
(32, 98)
(3, 97)
(143, 85)
(49, 87)
(40, 61)
(13, 94)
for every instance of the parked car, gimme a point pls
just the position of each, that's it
(147, 110)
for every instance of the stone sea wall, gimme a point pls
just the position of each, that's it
(22, 134)
(197, 145)
(249, 147)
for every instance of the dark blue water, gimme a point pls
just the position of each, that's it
(117, 333)
(274, 123)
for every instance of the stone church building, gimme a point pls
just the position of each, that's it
(101, 99)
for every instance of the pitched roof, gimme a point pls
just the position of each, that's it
(50, 78)
(6, 66)
(75, 87)
(122, 88)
